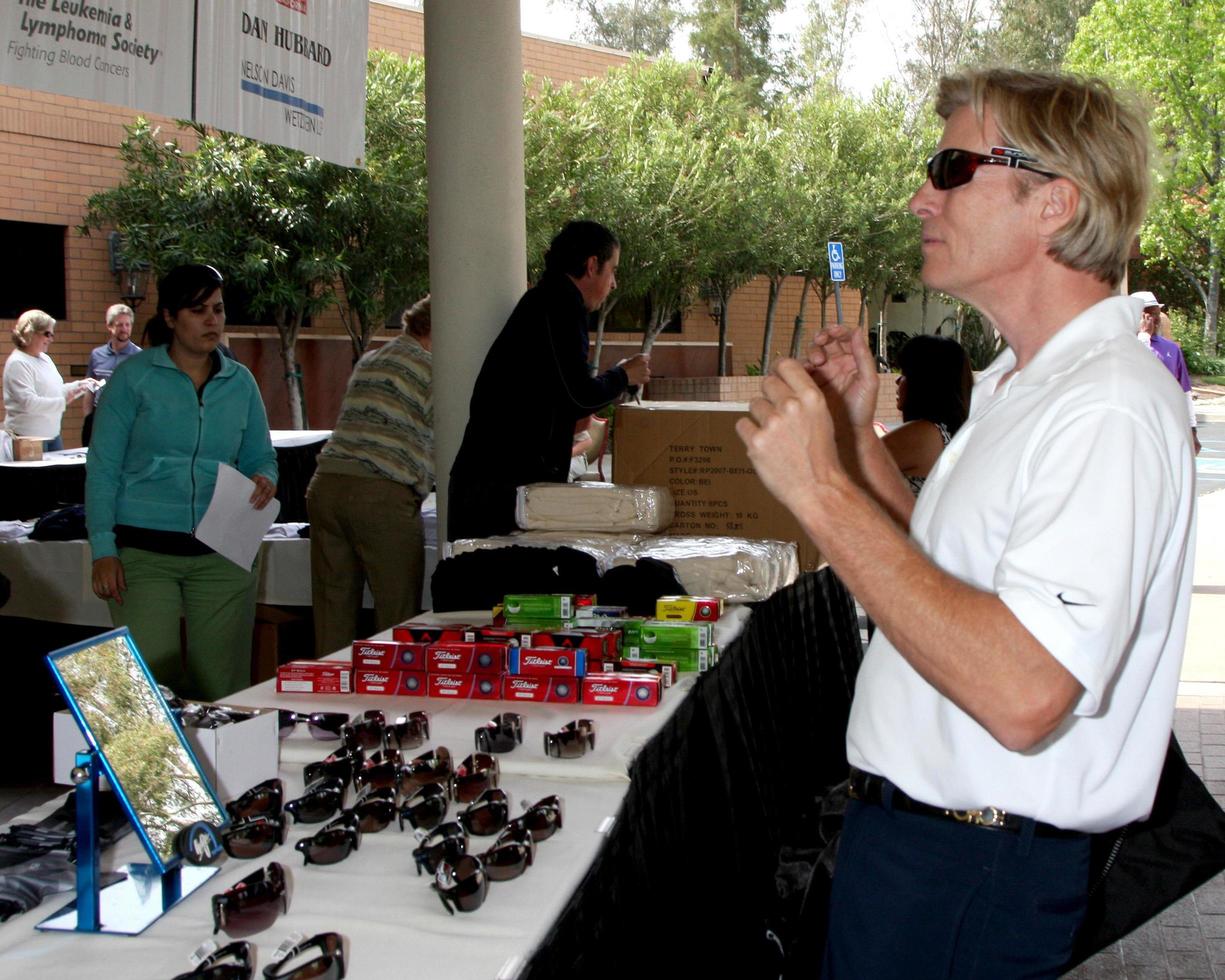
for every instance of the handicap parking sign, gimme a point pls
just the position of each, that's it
(837, 262)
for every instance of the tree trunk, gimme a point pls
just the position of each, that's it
(725, 298)
(797, 334)
(767, 339)
(288, 322)
(1212, 309)
(601, 319)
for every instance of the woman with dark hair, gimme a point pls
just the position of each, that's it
(172, 415)
(933, 395)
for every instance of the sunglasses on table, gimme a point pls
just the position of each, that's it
(233, 962)
(375, 809)
(487, 814)
(321, 800)
(253, 904)
(461, 884)
(511, 854)
(341, 764)
(381, 770)
(571, 741)
(472, 777)
(333, 843)
(254, 837)
(446, 843)
(208, 715)
(321, 957)
(261, 800)
(952, 167)
(425, 808)
(322, 725)
(543, 819)
(429, 767)
(501, 734)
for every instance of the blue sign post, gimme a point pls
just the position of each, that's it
(837, 272)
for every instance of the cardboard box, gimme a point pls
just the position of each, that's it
(377, 654)
(553, 689)
(533, 606)
(688, 608)
(692, 449)
(414, 684)
(234, 757)
(27, 448)
(315, 677)
(375, 680)
(626, 690)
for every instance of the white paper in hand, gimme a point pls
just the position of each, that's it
(231, 526)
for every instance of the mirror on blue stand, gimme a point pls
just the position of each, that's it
(133, 740)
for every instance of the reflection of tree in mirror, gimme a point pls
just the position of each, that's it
(131, 728)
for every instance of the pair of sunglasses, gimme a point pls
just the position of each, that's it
(542, 819)
(208, 715)
(333, 843)
(255, 837)
(233, 962)
(472, 777)
(501, 734)
(511, 854)
(428, 768)
(320, 801)
(425, 808)
(461, 885)
(488, 814)
(322, 725)
(446, 843)
(253, 904)
(326, 960)
(375, 732)
(381, 770)
(953, 167)
(261, 800)
(341, 764)
(571, 741)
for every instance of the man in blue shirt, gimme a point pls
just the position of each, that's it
(103, 360)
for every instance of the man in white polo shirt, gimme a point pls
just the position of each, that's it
(1019, 691)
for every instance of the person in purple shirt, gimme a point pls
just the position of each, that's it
(1167, 351)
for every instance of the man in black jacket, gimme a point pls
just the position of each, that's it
(535, 385)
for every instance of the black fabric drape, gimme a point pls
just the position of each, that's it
(730, 780)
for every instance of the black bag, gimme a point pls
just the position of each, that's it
(65, 524)
(1143, 868)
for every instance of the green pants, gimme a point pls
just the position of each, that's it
(362, 529)
(217, 600)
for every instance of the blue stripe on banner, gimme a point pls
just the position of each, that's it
(275, 96)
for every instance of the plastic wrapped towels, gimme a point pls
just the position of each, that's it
(736, 569)
(593, 507)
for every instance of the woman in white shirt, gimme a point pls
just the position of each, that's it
(35, 393)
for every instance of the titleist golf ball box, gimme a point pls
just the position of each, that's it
(377, 654)
(466, 658)
(376, 680)
(427, 633)
(464, 687)
(561, 690)
(548, 661)
(315, 677)
(623, 690)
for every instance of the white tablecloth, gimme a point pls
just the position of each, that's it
(395, 924)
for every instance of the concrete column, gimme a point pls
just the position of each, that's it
(478, 237)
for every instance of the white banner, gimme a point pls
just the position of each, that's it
(133, 53)
(291, 72)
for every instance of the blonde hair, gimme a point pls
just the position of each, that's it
(1077, 128)
(117, 310)
(416, 319)
(30, 323)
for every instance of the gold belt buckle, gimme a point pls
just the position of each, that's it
(989, 816)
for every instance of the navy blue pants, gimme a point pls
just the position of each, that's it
(920, 897)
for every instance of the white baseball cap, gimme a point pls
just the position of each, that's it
(1150, 300)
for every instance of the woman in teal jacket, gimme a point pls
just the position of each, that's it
(171, 415)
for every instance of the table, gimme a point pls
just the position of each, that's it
(396, 926)
(31, 489)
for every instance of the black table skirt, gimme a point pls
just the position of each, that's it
(730, 783)
(30, 492)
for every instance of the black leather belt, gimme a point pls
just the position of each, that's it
(868, 787)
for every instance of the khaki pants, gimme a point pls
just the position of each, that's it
(214, 596)
(363, 529)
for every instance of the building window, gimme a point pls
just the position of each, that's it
(33, 258)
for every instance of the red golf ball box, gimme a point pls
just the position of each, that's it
(665, 668)
(414, 683)
(376, 654)
(491, 634)
(375, 680)
(555, 689)
(597, 643)
(625, 690)
(427, 633)
(465, 687)
(315, 677)
(547, 662)
(466, 658)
